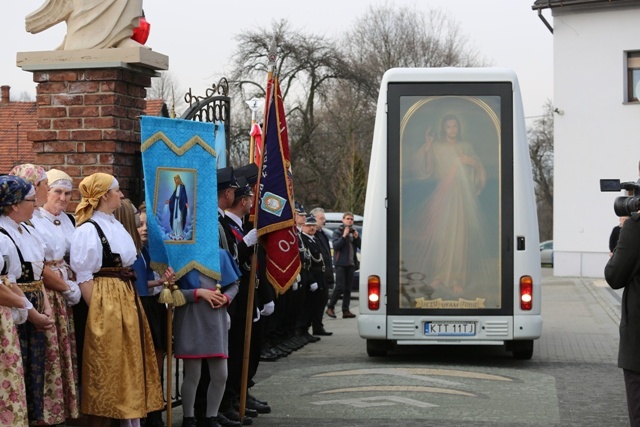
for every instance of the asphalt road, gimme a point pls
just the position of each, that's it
(572, 379)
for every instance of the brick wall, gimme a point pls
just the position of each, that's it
(89, 121)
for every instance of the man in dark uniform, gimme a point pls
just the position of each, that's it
(264, 299)
(226, 193)
(329, 279)
(246, 239)
(312, 282)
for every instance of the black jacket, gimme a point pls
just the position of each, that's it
(344, 248)
(325, 248)
(623, 271)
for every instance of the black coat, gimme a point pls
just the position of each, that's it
(325, 248)
(313, 267)
(623, 271)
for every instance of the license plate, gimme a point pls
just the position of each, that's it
(450, 329)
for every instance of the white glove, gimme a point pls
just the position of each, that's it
(73, 295)
(255, 319)
(19, 315)
(313, 286)
(294, 286)
(268, 309)
(251, 238)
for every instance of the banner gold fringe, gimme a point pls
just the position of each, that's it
(160, 136)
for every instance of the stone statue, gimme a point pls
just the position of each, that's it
(91, 24)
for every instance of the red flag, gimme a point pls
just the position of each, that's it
(275, 211)
(256, 133)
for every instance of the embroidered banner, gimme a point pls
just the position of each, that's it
(275, 218)
(179, 162)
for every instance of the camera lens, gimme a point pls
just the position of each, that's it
(625, 206)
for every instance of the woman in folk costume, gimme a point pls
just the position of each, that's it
(55, 228)
(120, 374)
(148, 286)
(13, 400)
(13, 310)
(17, 202)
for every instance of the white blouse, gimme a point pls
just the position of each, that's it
(31, 246)
(9, 254)
(86, 248)
(57, 238)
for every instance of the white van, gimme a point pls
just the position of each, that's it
(453, 252)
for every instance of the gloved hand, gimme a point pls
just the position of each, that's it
(268, 309)
(294, 286)
(73, 295)
(20, 314)
(251, 238)
(255, 319)
(313, 286)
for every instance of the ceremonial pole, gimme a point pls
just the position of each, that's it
(167, 298)
(170, 306)
(254, 259)
(169, 361)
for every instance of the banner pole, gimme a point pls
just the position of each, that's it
(254, 262)
(169, 361)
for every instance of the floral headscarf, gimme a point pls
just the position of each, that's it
(14, 189)
(31, 173)
(91, 189)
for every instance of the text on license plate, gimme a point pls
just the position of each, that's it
(450, 329)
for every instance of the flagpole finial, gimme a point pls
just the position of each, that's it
(273, 55)
(255, 105)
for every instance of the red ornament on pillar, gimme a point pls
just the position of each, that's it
(141, 33)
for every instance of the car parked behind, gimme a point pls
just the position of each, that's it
(546, 253)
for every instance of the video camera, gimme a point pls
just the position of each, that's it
(625, 205)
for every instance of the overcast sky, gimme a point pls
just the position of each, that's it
(198, 35)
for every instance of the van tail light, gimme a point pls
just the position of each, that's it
(526, 292)
(373, 292)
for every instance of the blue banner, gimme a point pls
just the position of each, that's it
(179, 162)
(221, 145)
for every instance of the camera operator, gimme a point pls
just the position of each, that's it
(346, 241)
(623, 271)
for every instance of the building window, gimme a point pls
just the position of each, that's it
(633, 76)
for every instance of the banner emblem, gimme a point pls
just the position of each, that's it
(273, 204)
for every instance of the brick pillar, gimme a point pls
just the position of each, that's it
(89, 121)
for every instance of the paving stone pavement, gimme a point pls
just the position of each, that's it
(572, 379)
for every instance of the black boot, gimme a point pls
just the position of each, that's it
(154, 419)
(189, 422)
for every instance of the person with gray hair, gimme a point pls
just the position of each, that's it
(329, 279)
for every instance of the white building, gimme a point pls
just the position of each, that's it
(597, 123)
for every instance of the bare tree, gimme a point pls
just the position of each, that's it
(306, 65)
(386, 37)
(330, 89)
(541, 153)
(165, 87)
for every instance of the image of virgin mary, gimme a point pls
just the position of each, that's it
(178, 206)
